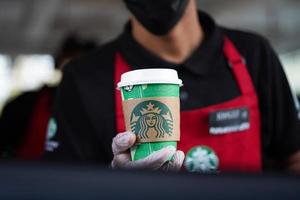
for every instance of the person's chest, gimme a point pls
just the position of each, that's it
(200, 91)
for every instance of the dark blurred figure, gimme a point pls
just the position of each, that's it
(24, 120)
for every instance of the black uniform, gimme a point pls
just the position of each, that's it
(16, 118)
(85, 107)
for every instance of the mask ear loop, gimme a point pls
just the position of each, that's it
(175, 4)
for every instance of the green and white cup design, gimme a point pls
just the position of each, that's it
(151, 109)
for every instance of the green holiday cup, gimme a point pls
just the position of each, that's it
(151, 108)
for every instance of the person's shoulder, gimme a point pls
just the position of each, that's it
(247, 41)
(98, 59)
(22, 103)
(29, 96)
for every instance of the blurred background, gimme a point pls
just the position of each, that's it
(31, 31)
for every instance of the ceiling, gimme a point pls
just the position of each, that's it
(37, 26)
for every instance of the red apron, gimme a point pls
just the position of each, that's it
(237, 151)
(34, 142)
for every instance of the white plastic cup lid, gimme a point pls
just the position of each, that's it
(150, 76)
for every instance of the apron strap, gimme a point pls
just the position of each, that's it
(120, 67)
(34, 141)
(238, 65)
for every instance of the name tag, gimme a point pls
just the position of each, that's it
(229, 121)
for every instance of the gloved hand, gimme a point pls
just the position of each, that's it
(157, 160)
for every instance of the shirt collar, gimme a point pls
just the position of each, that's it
(202, 61)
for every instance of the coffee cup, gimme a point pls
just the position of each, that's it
(151, 108)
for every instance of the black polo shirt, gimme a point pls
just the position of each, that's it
(84, 109)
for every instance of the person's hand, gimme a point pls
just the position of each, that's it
(157, 160)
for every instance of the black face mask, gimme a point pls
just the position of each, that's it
(157, 16)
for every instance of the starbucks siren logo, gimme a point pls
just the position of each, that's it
(52, 128)
(201, 159)
(151, 116)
